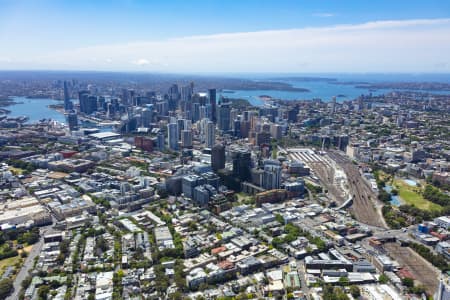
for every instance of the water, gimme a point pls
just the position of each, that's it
(325, 90)
(35, 109)
(410, 182)
(395, 200)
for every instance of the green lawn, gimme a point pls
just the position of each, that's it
(7, 262)
(412, 195)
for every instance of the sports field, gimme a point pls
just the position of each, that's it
(412, 195)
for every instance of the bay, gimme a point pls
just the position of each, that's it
(35, 109)
(326, 90)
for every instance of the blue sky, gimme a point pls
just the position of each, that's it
(230, 36)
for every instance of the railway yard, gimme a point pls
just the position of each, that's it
(343, 180)
(422, 270)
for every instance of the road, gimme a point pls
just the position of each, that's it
(366, 206)
(28, 264)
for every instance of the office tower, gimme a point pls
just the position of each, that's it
(262, 138)
(223, 116)
(83, 97)
(189, 182)
(161, 141)
(242, 162)
(143, 143)
(218, 157)
(172, 136)
(333, 105)
(72, 120)
(271, 175)
(186, 138)
(187, 124)
(236, 128)
(67, 103)
(162, 108)
(210, 133)
(174, 97)
(146, 117)
(212, 102)
(186, 98)
(196, 112)
(92, 105)
(101, 103)
(276, 131)
(88, 104)
(128, 96)
(180, 127)
(186, 92)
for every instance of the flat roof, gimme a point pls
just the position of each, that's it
(104, 135)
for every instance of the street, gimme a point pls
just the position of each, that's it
(28, 264)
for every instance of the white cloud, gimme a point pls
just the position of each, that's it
(141, 62)
(323, 15)
(419, 45)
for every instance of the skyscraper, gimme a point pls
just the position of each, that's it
(186, 138)
(72, 120)
(242, 162)
(67, 103)
(83, 100)
(223, 116)
(212, 102)
(210, 134)
(271, 175)
(218, 157)
(146, 117)
(172, 136)
(160, 141)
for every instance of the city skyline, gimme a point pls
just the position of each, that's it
(218, 37)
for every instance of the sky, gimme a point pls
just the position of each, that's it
(227, 36)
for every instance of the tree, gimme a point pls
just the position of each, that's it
(6, 287)
(383, 279)
(343, 281)
(408, 282)
(279, 218)
(355, 291)
(43, 291)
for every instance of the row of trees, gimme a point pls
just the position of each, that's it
(437, 260)
(20, 164)
(435, 195)
(23, 236)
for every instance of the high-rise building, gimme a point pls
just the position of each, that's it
(146, 117)
(172, 136)
(180, 127)
(143, 143)
(67, 103)
(72, 120)
(271, 175)
(218, 157)
(210, 134)
(186, 138)
(160, 141)
(212, 102)
(223, 116)
(242, 162)
(276, 131)
(83, 98)
(189, 182)
(88, 104)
